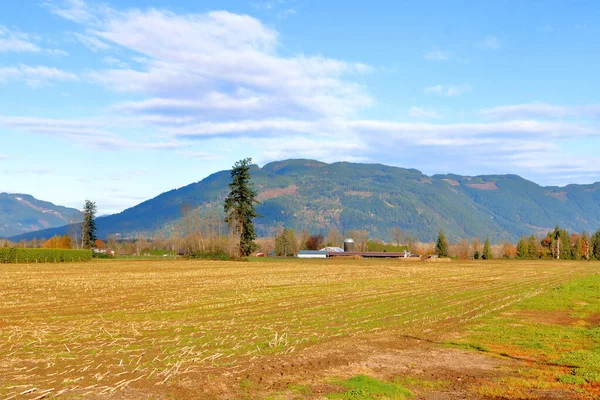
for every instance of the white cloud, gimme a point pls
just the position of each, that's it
(18, 42)
(242, 101)
(186, 56)
(94, 133)
(115, 61)
(420, 112)
(491, 42)
(542, 110)
(201, 155)
(437, 55)
(261, 128)
(91, 42)
(35, 76)
(223, 75)
(448, 90)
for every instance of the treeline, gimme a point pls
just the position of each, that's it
(560, 244)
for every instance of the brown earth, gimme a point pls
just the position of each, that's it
(458, 373)
(562, 317)
(273, 193)
(483, 186)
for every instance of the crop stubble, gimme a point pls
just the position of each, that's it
(98, 328)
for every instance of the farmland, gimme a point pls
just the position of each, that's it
(290, 329)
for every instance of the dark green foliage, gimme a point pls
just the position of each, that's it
(532, 245)
(476, 255)
(102, 256)
(487, 250)
(88, 226)
(522, 248)
(596, 245)
(206, 255)
(286, 243)
(441, 245)
(560, 243)
(20, 255)
(239, 206)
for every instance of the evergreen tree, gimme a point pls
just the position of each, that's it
(441, 246)
(577, 249)
(487, 250)
(239, 207)
(522, 248)
(532, 248)
(88, 226)
(595, 247)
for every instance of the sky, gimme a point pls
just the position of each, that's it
(119, 101)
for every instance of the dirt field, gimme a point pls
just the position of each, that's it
(283, 329)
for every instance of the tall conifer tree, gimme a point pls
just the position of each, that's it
(239, 207)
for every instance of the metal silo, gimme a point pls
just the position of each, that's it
(348, 245)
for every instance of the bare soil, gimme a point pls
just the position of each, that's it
(382, 356)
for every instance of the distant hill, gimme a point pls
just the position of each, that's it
(307, 194)
(22, 213)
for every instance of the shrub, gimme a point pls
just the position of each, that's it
(18, 255)
(211, 255)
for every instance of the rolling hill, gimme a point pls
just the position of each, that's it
(312, 195)
(22, 213)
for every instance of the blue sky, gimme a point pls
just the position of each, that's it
(119, 101)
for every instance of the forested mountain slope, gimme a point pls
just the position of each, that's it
(307, 194)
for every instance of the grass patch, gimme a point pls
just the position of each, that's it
(545, 328)
(364, 387)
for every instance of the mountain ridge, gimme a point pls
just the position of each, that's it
(22, 213)
(316, 196)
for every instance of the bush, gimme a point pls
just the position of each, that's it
(18, 255)
(102, 255)
(208, 255)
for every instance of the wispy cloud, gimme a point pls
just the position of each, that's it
(448, 90)
(542, 110)
(91, 42)
(420, 112)
(35, 76)
(438, 55)
(95, 133)
(491, 42)
(20, 42)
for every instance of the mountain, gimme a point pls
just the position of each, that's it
(22, 213)
(312, 195)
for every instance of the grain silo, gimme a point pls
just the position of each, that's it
(348, 245)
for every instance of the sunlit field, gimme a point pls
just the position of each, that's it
(185, 329)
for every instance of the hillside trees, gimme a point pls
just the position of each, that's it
(239, 206)
(88, 226)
